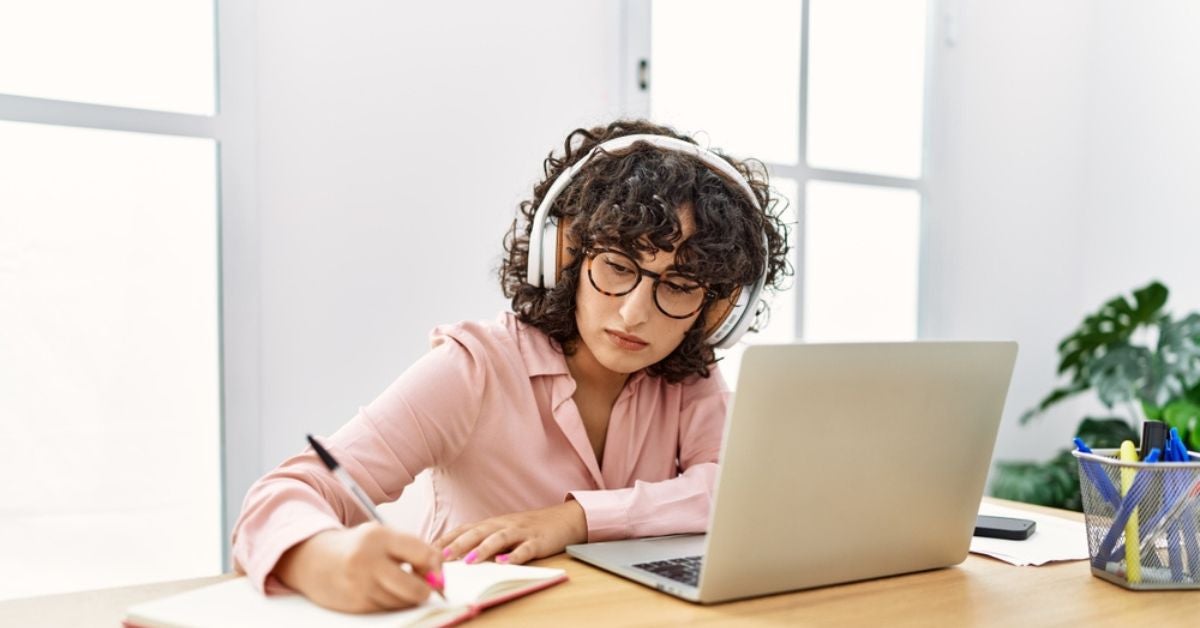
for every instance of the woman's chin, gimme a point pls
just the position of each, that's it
(619, 363)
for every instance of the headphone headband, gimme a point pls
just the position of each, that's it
(544, 251)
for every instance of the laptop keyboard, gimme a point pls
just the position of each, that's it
(685, 570)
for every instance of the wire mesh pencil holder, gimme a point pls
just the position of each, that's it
(1142, 520)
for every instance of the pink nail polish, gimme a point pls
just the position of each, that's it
(470, 557)
(434, 579)
(502, 558)
(446, 553)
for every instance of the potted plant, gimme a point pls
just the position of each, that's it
(1141, 363)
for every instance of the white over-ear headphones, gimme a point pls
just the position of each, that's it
(547, 250)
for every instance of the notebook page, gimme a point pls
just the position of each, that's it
(473, 584)
(237, 604)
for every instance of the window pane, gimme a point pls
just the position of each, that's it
(782, 325)
(861, 248)
(146, 54)
(866, 79)
(731, 70)
(109, 359)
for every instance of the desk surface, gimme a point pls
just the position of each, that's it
(979, 592)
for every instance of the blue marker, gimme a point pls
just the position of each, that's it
(1097, 476)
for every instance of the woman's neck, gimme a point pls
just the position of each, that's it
(591, 375)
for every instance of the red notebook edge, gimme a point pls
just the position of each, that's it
(475, 609)
(545, 584)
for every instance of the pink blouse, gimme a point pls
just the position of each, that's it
(489, 410)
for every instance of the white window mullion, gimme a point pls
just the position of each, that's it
(228, 259)
(60, 112)
(871, 75)
(241, 435)
(799, 173)
(636, 71)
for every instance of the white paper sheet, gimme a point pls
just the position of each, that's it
(1054, 539)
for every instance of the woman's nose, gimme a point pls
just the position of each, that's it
(638, 305)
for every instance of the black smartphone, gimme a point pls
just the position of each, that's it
(1004, 527)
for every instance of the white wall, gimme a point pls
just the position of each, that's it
(395, 141)
(1141, 216)
(1006, 150)
(1063, 147)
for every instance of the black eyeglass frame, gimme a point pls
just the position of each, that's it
(591, 255)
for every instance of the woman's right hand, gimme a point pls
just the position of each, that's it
(360, 569)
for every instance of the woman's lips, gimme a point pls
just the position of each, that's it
(625, 341)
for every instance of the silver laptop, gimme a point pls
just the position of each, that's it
(840, 462)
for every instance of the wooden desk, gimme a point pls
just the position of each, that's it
(979, 592)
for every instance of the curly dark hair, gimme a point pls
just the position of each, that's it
(630, 201)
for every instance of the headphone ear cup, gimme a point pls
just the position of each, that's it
(718, 314)
(548, 246)
(562, 253)
(553, 255)
(742, 310)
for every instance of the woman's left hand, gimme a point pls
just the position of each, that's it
(518, 537)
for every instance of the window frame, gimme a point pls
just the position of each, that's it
(635, 100)
(232, 127)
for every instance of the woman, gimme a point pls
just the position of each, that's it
(593, 411)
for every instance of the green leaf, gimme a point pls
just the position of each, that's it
(1193, 394)
(1182, 415)
(1176, 369)
(1114, 323)
(1120, 373)
(1151, 299)
(1100, 354)
(1106, 432)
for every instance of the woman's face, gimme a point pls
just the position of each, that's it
(628, 333)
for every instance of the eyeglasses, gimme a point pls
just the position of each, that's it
(616, 274)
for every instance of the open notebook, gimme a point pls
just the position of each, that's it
(469, 590)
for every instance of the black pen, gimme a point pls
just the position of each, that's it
(363, 501)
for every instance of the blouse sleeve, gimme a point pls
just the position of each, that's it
(422, 419)
(681, 504)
